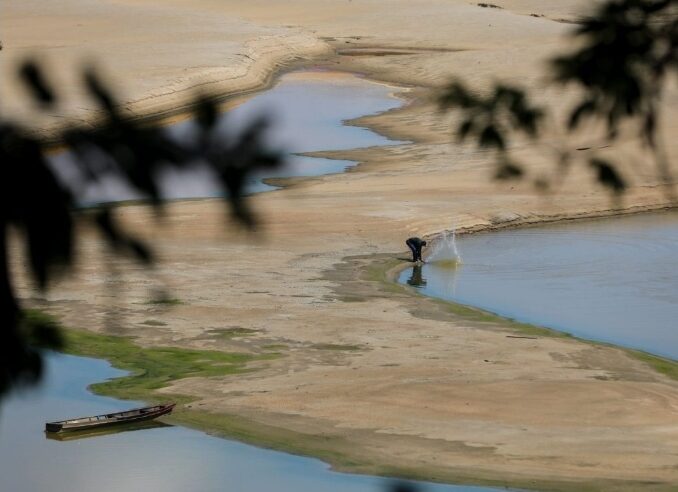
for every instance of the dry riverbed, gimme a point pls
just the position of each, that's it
(368, 375)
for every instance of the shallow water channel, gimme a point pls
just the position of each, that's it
(613, 280)
(308, 111)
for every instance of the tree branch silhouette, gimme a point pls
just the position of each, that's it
(627, 49)
(41, 208)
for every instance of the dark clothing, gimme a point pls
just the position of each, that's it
(415, 244)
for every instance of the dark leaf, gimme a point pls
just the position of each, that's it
(206, 112)
(35, 202)
(457, 95)
(490, 137)
(464, 130)
(649, 128)
(508, 170)
(34, 78)
(607, 175)
(107, 226)
(100, 92)
(586, 108)
(119, 240)
(140, 251)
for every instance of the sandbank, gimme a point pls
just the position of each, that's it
(426, 389)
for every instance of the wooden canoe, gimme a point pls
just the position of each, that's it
(126, 417)
(105, 431)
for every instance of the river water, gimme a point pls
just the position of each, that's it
(308, 111)
(164, 458)
(612, 280)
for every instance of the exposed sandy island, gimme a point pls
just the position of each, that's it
(416, 387)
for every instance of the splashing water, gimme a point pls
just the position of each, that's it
(444, 253)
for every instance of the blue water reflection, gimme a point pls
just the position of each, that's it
(613, 280)
(306, 114)
(171, 459)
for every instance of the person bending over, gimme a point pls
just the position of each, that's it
(415, 244)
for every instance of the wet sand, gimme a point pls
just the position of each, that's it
(411, 385)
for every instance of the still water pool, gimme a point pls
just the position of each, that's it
(306, 111)
(612, 280)
(164, 458)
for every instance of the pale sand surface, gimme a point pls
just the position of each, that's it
(427, 390)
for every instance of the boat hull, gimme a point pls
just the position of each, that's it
(106, 420)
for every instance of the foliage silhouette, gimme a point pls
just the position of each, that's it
(627, 49)
(40, 208)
